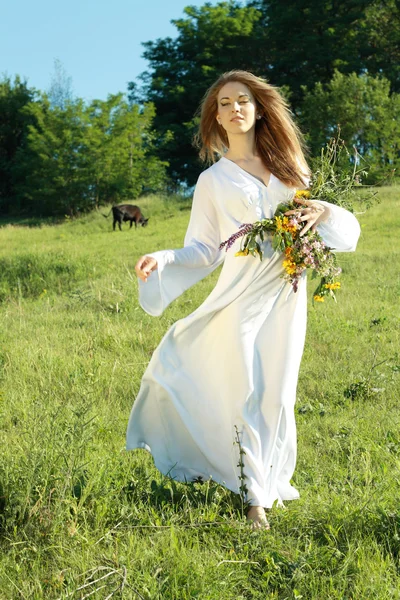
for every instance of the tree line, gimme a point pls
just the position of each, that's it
(337, 62)
(65, 160)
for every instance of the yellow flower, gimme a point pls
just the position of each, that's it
(319, 298)
(242, 252)
(302, 194)
(333, 286)
(289, 266)
(283, 223)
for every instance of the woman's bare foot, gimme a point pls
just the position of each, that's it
(258, 517)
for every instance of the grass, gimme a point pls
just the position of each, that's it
(81, 517)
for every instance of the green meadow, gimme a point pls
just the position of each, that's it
(80, 517)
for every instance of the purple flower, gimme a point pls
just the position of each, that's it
(243, 230)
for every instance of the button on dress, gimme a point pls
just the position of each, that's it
(231, 365)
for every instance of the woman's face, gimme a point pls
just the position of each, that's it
(236, 108)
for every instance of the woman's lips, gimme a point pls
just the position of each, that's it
(236, 119)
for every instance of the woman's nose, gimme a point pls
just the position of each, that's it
(235, 106)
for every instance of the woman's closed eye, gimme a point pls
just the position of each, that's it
(241, 102)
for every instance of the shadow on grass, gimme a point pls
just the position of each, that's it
(30, 221)
(181, 497)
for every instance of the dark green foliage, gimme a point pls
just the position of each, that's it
(65, 161)
(307, 39)
(296, 45)
(14, 124)
(380, 51)
(366, 114)
(211, 39)
(81, 157)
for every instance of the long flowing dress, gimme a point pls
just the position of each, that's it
(232, 365)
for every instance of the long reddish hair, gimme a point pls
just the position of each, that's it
(279, 141)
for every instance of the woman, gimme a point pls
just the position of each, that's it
(230, 368)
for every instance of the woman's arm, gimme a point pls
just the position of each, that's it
(341, 230)
(177, 270)
(202, 239)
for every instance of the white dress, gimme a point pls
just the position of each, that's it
(235, 360)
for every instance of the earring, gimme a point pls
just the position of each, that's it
(258, 116)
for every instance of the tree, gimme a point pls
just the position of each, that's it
(211, 40)
(381, 52)
(293, 44)
(118, 146)
(308, 39)
(14, 124)
(53, 160)
(60, 91)
(83, 156)
(367, 114)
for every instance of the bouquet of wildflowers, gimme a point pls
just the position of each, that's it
(307, 251)
(301, 252)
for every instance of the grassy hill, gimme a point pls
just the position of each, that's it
(80, 517)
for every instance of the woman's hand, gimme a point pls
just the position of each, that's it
(144, 266)
(312, 212)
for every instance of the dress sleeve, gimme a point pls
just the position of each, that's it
(341, 230)
(179, 269)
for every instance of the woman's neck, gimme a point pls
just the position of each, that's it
(241, 147)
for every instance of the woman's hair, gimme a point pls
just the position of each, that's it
(279, 141)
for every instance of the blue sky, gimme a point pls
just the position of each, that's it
(97, 42)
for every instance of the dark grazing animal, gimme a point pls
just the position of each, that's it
(127, 212)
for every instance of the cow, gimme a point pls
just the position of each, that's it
(127, 212)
